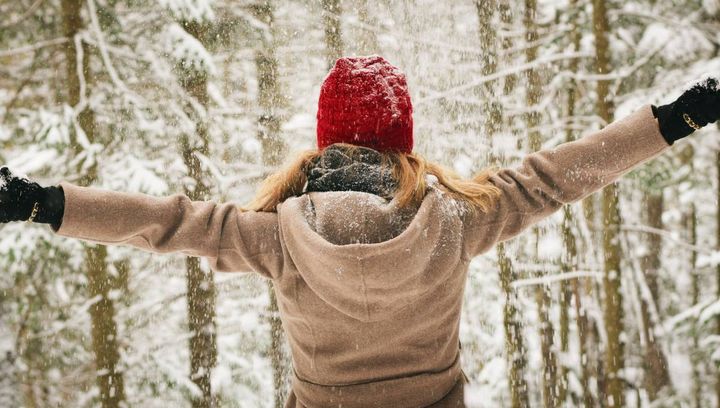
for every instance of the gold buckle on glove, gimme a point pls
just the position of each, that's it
(690, 122)
(34, 212)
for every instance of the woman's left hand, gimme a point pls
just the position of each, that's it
(694, 109)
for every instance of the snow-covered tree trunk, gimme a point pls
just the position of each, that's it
(368, 42)
(514, 341)
(505, 7)
(492, 109)
(690, 224)
(716, 19)
(515, 350)
(200, 283)
(569, 259)
(542, 291)
(656, 375)
(613, 300)
(717, 268)
(269, 96)
(30, 350)
(333, 33)
(273, 149)
(102, 312)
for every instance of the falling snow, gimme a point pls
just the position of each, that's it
(237, 85)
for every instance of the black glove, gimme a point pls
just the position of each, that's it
(694, 109)
(18, 197)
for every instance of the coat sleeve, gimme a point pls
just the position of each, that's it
(233, 240)
(549, 178)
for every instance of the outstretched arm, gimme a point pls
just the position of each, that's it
(231, 239)
(549, 178)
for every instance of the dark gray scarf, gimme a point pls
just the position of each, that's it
(336, 170)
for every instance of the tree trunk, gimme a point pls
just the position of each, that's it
(506, 19)
(717, 270)
(588, 335)
(613, 313)
(102, 312)
(200, 283)
(583, 328)
(542, 292)
(613, 305)
(277, 355)
(269, 97)
(655, 362)
(564, 304)
(569, 261)
(717, 240)
(486, 11)
(697, 352)
(29, 347)
(333, 35)
(514, 341)
(690, 224)
(368, 42)
(547, 334)
(270, 101)
(103, 327)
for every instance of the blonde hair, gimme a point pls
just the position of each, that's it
(409, 170)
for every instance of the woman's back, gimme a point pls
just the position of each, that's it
(383, 316)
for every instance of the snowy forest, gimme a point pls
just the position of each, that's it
(611, 302)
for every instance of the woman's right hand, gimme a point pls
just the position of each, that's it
(18, 197)
(694, 109)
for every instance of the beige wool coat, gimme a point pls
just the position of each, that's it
(369, 295)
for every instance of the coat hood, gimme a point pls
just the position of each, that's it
(362, 254)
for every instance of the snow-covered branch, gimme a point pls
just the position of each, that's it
(548, 279)
(504, 73)
(30, 48)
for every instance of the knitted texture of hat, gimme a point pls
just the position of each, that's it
(365, 101)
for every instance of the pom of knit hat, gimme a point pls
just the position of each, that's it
(365, 101)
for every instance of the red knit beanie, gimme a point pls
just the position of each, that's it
(364, 101)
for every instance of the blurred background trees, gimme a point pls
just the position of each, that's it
(611, 302)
